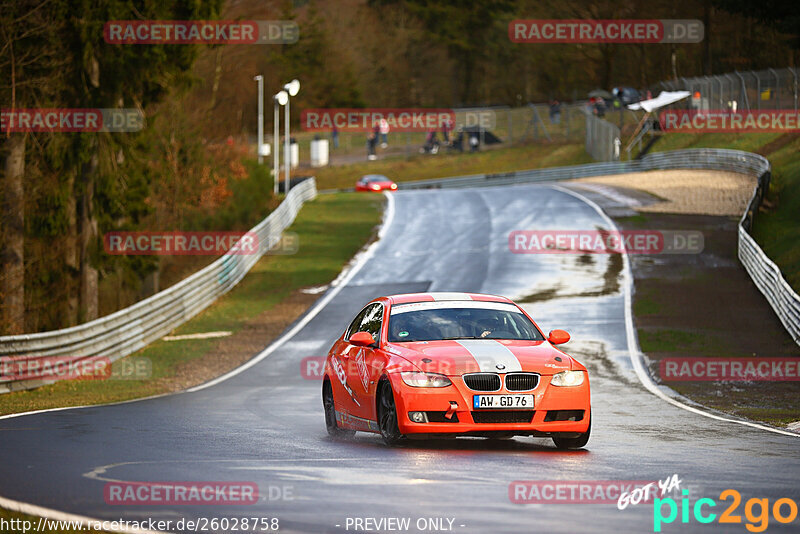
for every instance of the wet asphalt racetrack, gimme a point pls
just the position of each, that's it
(266, 424)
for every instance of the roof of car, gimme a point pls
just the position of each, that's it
(443, 296)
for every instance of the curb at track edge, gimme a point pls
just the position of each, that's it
(635, 352)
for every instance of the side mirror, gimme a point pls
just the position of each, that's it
(364, 339)
(557, 337)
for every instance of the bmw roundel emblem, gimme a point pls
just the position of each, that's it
(500, 366)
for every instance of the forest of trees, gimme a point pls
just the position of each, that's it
(60, 192)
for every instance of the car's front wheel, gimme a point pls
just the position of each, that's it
(387, 414)
(330, 413)
(575, 443)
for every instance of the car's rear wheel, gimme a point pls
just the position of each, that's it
(387, 414)
(575, 443)
(330, 413)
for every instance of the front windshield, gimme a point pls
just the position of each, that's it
(431, 321)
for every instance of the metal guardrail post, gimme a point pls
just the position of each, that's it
(743, 90)
(777, 88)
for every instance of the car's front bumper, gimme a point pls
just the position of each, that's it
(550, 402)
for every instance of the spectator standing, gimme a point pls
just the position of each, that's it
(555, 112)
(447, 127)
(474, 142)
(372, 140)
(383, 129)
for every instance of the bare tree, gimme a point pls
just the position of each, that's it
(27, 59)
(13, 222)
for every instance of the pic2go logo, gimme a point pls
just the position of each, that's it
(756, 511)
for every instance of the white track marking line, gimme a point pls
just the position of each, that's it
(202, 335)
(318, 307)
(633, 344)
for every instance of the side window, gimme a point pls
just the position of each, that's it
(372, 320)
(353, 328)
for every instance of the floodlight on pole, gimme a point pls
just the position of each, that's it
(292, 88)
(260, 80)
(279, 100)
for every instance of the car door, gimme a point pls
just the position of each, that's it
(341, 359)
(361, 361)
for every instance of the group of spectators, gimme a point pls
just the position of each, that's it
(380, 134)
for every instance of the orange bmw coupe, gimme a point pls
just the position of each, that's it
(454, 364)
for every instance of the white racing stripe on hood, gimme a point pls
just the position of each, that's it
(490, 353)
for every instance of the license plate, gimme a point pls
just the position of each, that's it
(508, 402)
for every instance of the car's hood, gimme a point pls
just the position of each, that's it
(461, 356)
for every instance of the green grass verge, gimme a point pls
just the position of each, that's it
(672, 340)
(777, 229)
(421, 167)
(331, 229)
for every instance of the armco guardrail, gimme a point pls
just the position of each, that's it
(765, 274)
(128, 330)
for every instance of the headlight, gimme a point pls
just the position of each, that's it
(567, 378)
(425, 380)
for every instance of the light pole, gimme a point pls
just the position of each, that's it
(292, 88)
(260, 80)
(279, 99)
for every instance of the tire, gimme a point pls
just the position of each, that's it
(330, 413)
(387, 414)
(575, 443)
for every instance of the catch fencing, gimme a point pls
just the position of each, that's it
(603, 139)
(126, 331)
(750, 90)
(763, 271)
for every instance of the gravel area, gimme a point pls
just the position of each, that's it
(694, 192)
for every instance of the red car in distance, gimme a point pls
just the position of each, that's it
(375, 183)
